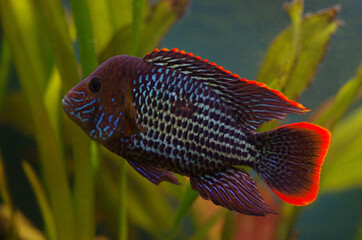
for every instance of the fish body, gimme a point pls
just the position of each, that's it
(174, 112)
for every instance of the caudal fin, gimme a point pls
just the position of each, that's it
(290, 160)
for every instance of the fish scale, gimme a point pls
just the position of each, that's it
(172, 112)
(194, 153)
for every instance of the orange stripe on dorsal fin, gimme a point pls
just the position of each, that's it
(165, 50)
(174, 50)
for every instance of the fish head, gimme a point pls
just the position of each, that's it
(102, 104)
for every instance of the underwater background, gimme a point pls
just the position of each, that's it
(42, 54)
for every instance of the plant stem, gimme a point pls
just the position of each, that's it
(84, 172)
(136, 27)
(122, 235)
(42, 200)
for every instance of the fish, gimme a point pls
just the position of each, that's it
(174, 112)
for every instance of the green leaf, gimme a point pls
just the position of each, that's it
(187, 200)
(229, 227)
(329, 115)
(203, 230)
(20, 37)
(85, 39)
(107, 18)
(4, 189)
(136, 25)
(281, 58)
(123, 232)
(84, 168)
(289, 65)
(152, 215)
(342, 166)
(15, 114)
(42, 200)
(58, 34)
(359, 233)
(51, 97)
(5, 63)
(156, 23)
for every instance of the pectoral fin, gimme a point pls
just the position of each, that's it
(155, 175)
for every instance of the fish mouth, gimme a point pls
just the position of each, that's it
(66, 102)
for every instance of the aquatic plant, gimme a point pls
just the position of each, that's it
(83, 190)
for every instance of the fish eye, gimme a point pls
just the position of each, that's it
(95, 84)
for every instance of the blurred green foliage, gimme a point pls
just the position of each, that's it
(81, 187)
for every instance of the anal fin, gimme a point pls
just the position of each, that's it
(155, 175)
(233, 189)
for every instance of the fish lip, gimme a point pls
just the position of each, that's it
(66, 102)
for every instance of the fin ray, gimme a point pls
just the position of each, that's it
(233, 189)
(251, 102)
(155, 175)
(291, 160)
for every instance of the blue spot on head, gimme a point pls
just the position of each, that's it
(112, 99)
(110, 133)
(116, 122)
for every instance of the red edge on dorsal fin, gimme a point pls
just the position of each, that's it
(281, 95)
(323, 137)
(198, 58)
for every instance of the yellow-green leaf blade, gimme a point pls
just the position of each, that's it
(342, 101)
(316, 30)
(342, 166)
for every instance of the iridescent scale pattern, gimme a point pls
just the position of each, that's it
(189, 129)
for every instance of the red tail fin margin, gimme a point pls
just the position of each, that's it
(291, 161)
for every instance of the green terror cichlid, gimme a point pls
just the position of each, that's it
(172, 112)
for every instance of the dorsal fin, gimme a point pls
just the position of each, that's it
(252, 102)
